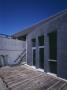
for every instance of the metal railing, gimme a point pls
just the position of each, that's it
(5, 36)
(21, 57)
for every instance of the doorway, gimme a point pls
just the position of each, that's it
(41, 58)
(34, 56)
(41, 51)
(53, 52)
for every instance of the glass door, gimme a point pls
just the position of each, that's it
(53, 52)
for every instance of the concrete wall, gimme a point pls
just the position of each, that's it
(58, 24)
(12, 48)
(62, 52)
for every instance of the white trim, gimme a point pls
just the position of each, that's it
(33, 48)
(34, 68)
(39, 69)
(52, 60)
(55, 75)
(41, 47)
(52, 74)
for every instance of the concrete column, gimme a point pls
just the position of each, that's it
(46, 53)
(37, 53)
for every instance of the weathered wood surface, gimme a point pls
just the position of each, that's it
(25, 78)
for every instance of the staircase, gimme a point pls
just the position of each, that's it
(21, 59)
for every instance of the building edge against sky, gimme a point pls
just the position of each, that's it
(47, 44)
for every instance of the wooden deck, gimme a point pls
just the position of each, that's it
(26, 78)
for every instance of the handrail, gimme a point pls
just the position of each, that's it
(4, 35)
(21, 58)
(20, 55)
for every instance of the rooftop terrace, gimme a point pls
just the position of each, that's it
(24, 77)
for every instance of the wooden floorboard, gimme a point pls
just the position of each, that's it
(26, 78)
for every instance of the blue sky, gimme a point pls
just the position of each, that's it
(15, 15)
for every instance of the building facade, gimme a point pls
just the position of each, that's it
(46, 44)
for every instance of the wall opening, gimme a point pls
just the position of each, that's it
(41, 58)
(53, 52)
(41, 51)
(34, 57)
(34, 51)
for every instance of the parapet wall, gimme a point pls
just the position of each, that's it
(11, 48)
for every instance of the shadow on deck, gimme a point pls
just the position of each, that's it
(24, 77)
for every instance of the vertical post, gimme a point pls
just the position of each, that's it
(37, 53)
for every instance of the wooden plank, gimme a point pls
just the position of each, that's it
(26, 78)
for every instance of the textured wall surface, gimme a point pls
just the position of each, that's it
(12, 48)
(58, 24)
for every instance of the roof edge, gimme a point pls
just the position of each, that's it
(25, 31)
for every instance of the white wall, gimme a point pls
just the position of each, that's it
(12, 48)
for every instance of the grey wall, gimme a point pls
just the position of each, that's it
(12, 48)
(60, 25)
(62, 51)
